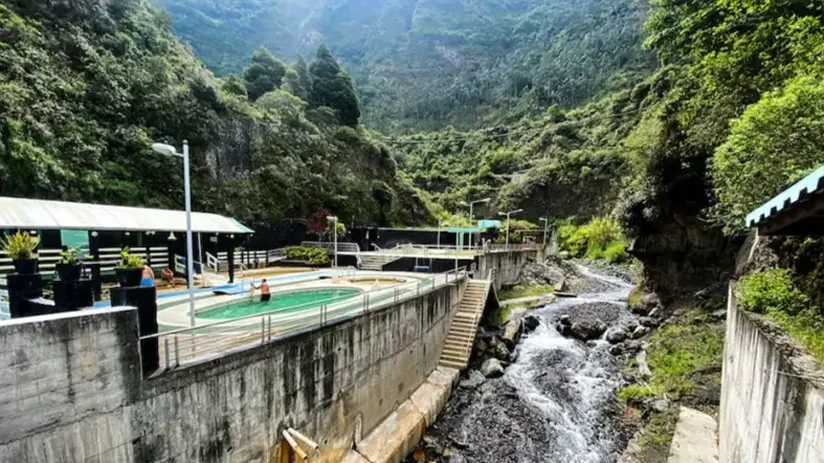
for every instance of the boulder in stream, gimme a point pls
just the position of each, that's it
(586, 330)
(530, 323)
(492, 368)
(640, 332)
(476, 378)
(617, 334)
(649, 322)
(512, 333)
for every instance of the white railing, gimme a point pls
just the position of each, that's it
(212, 262)
(346, 247)
(107, 258)
(212, 339)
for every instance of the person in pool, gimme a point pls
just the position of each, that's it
(264, 290)
(148, 276)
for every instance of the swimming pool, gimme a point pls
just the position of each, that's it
(307, 299)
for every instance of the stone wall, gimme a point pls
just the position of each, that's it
(507, 265)
(772, 403)
(72, 388)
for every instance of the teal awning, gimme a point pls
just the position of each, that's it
(489, 224)
(787, 198)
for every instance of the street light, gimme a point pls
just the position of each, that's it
(471, 206)
(507, 214)
(546, 224)
(334, 220)
(169, 150)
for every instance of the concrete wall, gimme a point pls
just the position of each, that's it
(772, 404)
(72, 389)
(507, 264)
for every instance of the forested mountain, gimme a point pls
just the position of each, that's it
(422, 64)
(88, 85)
(732, 117)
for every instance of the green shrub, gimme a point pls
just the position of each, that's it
(313, 256)
(771, 292)
(128, 260)
(616, 253)
(774, 294)
(600, 238)
(634, 393)
(20, 245)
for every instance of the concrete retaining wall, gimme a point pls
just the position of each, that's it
(507, 264)
(772, 404)
(72, 389)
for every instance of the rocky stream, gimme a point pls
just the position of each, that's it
(555, 401)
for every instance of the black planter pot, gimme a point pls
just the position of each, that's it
(69, 272)
(128, 277)
(25, 266)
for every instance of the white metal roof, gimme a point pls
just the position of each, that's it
(58, 215)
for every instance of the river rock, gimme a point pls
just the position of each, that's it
(530, 323)
(501, 352)
(660, 405)
(481, 345)
(616, 350)
(655, 313)
(492, 368)
(650, 300)
(616, 334)
(565, 320)
(586, 330)
(631, 325)
(640, 332)
(631, 346)
(648, 322)
(475, 379)
(512, 333)
(564, 330)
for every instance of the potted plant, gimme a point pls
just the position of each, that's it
(20, 247)
(70, 265)
(129, 269)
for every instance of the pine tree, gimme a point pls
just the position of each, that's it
(264, 74)
(332, 87)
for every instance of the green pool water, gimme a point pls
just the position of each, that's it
(313, 298)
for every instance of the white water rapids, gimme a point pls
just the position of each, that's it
(553, 404)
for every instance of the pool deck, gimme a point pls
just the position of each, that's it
(174, 313)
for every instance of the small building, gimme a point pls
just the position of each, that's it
(101, 231)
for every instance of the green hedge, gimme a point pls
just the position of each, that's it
(314, 256)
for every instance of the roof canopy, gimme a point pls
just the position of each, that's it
(797, 210)
(58, 215)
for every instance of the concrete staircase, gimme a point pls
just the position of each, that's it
(375, 261)
(461, 337)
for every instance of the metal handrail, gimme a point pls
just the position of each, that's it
(243, 333)
(456, 272)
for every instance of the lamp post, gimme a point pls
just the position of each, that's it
(507, 214)
(168, 150)
(471, 206)
(546, 224)
(334, 220)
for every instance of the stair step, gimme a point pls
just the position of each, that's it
(451, 358)
(445, 363)
(455, 350)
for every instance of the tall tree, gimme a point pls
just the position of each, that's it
(264, 74)
(297, 80)
(332, 87)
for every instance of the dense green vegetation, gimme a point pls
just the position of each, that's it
(774, 294)
(88, 86)
(420, 64)
(600, 238)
